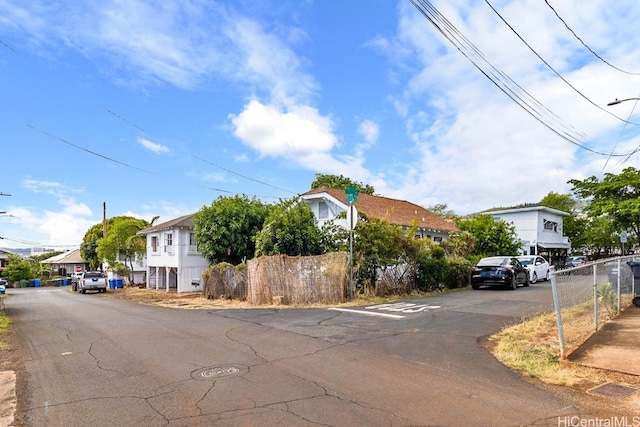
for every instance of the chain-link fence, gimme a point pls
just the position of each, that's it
(585, 297)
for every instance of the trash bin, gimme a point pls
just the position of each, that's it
(24, 283)
(36, 283)
(112, 283)
(635, 266)
(65, 282)
(118, 283)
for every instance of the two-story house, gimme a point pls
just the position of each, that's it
(326, 203)
(539, 228)
(173, 259)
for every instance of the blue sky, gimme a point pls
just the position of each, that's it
(158, 110)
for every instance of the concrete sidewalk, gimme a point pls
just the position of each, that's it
(615, 347)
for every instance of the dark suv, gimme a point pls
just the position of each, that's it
(92, 281)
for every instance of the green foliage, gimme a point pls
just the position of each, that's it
(290, 229)
(491, 237)
(432, 272)
(226, 230)
(608, 297)
(458, 273)
(443, 211)
(334, 181)
(122, 240)
(378, 243)
(616, 196)
(459, 244)
(20, 268)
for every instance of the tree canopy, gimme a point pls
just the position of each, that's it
(289, 229)
(616, 196)
(122, 240)
(491, 237)
(339, 181)
(226, 230)
(20, 268)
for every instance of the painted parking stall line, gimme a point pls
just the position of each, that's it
(398, 307)
(403, 307)
(368, 313)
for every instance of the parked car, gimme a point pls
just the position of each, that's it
(92, 281)
(3, 286)
(504, 271)
(575, 261)
(538, 267)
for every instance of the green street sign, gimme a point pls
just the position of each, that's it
(351, 190)
(351, 198)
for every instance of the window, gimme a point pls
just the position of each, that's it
(154, 244)
(168, 242)
(193, 245)
(323, 210)
(550, 225)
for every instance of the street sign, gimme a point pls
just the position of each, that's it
(352, 194)
(623, 237)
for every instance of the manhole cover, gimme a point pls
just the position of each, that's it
(616, 391)
(219, 371)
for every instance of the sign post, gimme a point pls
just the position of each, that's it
(623, 240)
(352, 197)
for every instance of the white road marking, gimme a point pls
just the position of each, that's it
(403, 307)
(393, 316)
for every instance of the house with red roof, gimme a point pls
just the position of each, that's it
(326, 203)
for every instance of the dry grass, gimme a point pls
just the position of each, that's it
(532, 349)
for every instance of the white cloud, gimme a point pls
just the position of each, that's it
(294, 133)
(152, 146)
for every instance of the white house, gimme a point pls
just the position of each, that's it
(326, 203)
(539, 228)
(173, 260)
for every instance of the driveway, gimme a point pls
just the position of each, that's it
(89, 360)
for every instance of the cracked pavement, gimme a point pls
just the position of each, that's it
(87, 360)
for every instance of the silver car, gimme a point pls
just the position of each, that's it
(538, 267)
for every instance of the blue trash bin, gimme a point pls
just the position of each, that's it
(65, 282)
(118, 283)
(36, 283)
(112, 283)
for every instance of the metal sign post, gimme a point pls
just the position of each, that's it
(352, 197)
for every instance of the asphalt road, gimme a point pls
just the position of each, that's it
(92, 361)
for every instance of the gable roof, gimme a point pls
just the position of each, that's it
(395, 211)
(72, 257)
(185, 221)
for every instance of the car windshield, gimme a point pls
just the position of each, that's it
(496, 260)
(526, 261)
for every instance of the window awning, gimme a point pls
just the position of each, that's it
(554, 245)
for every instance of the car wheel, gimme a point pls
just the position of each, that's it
(475, 287)
(82, 291)
(514, 283)
(548, 276)
(526, 280)
(534, 278)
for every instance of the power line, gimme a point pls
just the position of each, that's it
(89, 151)
(585, 45)
(553, 69)
(501, 80)
(244, 176)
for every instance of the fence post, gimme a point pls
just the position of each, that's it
(556, 304)
(619, 275)
(595, 296)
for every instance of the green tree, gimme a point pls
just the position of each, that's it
(289, 229)
(378, 244)
(19, 268)
(122, 240)
(335, 181)
(616, 196)
(226, 230)
(491, 237)
(89, 245)
(443, 211)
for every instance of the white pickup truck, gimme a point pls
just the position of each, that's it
(92, 281)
